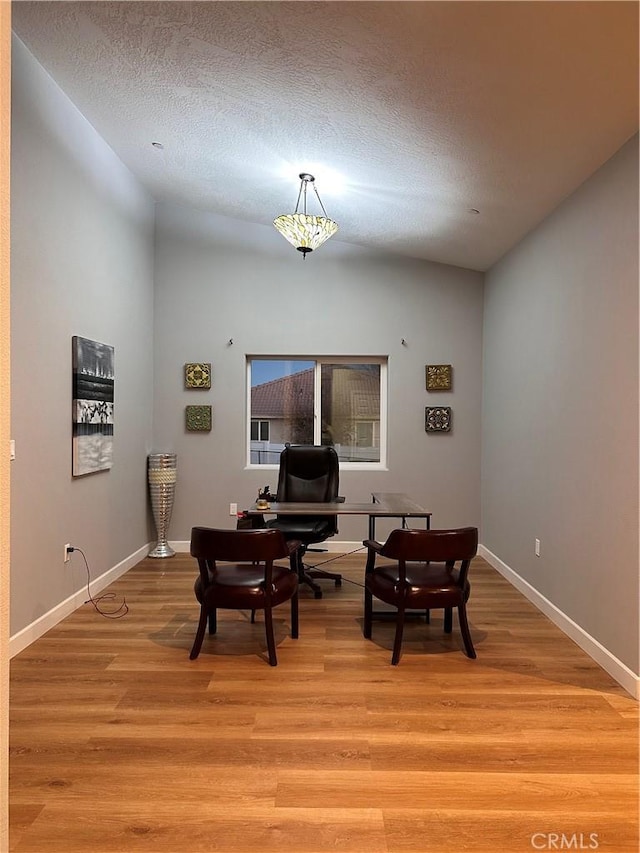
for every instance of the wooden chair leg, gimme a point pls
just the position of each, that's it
(427, 617)
(368, 614)
(253, 617)
(213, 623)
(197, 643)
(294, 616)
(271, 644)
(448, 620)
(397, 643)
(464, 628)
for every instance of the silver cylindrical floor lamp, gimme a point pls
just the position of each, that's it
(162, 488)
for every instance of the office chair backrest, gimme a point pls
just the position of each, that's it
(308, 474)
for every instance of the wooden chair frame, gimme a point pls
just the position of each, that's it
(248, 549)
(421, 588)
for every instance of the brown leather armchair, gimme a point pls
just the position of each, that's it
(237, 571)
(308, 474)
(422, 576)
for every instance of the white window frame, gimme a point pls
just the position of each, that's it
(259, 422)
(319, 360)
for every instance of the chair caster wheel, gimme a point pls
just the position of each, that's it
(317, 594)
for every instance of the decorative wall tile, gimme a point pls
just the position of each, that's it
(439, 377)
(197, 375)
(437, 418)
(198, 418)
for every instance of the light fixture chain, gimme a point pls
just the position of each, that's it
(320, 201)
(305, 197)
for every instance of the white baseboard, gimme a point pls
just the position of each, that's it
(616, 669)
(49, 620)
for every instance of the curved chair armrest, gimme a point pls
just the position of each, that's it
(372, 545)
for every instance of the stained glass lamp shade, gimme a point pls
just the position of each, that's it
(302, 230)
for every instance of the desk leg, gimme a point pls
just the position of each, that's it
(372, 527)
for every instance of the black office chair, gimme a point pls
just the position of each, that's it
(308, 474)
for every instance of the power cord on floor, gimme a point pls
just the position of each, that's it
(107, 596)
(339, 557)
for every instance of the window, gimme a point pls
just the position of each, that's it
(335, 401)
(259, 430)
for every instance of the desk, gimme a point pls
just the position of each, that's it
(383, 505)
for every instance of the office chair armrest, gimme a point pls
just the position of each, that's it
(372, 545)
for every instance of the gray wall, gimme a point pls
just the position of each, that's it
(218, 279)
(560, 407)
(82, 264)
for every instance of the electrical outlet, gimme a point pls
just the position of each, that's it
(233, 509)
(537, 547)
(67, 552)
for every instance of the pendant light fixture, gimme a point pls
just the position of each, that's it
(302, 230)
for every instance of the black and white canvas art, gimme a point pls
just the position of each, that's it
(93, 377)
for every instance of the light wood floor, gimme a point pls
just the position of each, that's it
(120, 743)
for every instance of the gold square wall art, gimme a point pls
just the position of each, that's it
(198, 418)
(439, 377)
(437, 419)
(197, 375)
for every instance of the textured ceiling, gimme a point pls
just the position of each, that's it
(426, 109)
